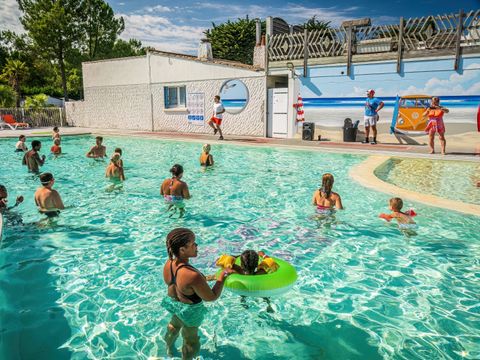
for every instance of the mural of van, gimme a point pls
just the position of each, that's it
(408, 115)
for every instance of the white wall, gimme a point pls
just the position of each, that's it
(119, 95)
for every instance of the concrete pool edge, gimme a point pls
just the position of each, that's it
(364, 174)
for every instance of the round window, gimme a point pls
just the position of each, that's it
(234, 94)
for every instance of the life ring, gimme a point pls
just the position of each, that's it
(267, 285)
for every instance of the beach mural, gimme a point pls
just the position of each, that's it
(329, 96)
(234, 95)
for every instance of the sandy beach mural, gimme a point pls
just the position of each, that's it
(330, 97)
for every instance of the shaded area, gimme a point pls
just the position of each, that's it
(32, 325)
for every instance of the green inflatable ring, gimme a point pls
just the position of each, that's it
(266, 285)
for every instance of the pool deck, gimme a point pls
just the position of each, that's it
(364, 173)
(462, 150)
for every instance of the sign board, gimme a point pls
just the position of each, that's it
(196, 108)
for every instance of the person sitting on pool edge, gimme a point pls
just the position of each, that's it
(174, 190)
(114, 169)
(56, 149)
(97, 151)
(187, 289)
(20, 146)
(32, 159)
(249, 263)
(206, 159)
(47, 199)
(4, 201)
(396, 205)
(324, 198)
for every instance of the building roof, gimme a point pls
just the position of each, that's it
(213, 61)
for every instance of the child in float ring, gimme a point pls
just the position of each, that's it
(249, 263)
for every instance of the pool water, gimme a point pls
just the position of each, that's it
(89, 285)
(454, 180)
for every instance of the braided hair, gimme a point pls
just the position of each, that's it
(249, 261)
(327, 184)
(176, 239)
(176, 170)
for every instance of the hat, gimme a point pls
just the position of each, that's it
(370, 91)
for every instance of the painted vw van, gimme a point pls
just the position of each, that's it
(408, 114)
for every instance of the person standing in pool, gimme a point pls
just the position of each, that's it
(217, 117)
(4, 200)
(56, 133)
(372, 106)
(174, 190)
(47, 199)
(324, 198)
(206, 159)
(98, 151)
(114, 170)
(32, 159)
(435, 124)
(56, 149)
(20, 146)
(187, 289)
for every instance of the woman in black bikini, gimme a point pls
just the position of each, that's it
(187, 288)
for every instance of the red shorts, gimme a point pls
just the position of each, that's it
(216, 120)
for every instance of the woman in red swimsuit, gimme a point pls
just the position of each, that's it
(435, 124)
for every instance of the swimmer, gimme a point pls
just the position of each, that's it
(403, 218)
(56, 149)
(4, 201)
(206, 159)
(20, 146)
(118, 150)
(32, 159)
(249, 263)
(114, 170)
(56, 133)
(48, 200)
(97, 151)
(324, 198)
(174, 190)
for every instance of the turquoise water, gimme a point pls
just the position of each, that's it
(89, 285)
(454, 180)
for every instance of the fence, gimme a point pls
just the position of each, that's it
(451, 31)
(43, 117)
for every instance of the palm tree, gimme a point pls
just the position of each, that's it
(14, 72)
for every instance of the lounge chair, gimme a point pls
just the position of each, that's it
(9, 120)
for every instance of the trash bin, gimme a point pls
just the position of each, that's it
(350, 134)
(350, 130)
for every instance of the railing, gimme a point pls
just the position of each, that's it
(425, 33)
(43, 117)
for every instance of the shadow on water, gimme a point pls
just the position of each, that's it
(32, 324)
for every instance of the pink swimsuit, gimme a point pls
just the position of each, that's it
(435, 122)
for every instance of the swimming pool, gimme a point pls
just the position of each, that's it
(90, 284)
(453, 180)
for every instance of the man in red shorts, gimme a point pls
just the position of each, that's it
(216, 120)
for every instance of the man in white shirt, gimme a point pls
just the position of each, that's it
(216, 120)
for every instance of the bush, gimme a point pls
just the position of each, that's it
(53, 91)
(7, 96)
(36, 101)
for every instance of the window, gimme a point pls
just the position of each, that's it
(174, 96)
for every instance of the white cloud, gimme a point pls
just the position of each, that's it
(9, 16)
(160, 33)
(458, 84)
(158, 8)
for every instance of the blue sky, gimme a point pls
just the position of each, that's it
(178, 26)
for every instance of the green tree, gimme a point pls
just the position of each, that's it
(123, 48)
(14, 72)
(55, 27)
(100, 27)
(36, 101)
(313, 24)
(233, 40)
(7, 96)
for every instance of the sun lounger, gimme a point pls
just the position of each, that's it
(9, 120)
